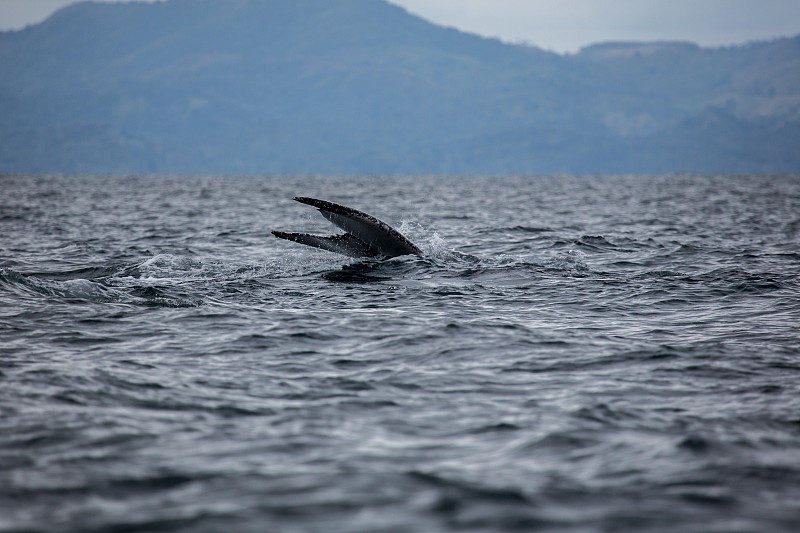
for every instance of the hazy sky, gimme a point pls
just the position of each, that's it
(564, 25)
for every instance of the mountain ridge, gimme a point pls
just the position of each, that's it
(364, 87)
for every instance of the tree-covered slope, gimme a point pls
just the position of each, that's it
(362, 86)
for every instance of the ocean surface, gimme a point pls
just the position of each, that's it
(571, 354)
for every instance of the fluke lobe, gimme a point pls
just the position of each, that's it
(365, 236)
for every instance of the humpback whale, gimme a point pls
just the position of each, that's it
(365, 235)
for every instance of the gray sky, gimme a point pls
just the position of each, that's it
(563, 25)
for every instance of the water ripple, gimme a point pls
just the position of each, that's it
(570, 354)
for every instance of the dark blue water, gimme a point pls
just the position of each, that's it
(571, 354)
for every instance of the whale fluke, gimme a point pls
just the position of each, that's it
(345, 244)
(365, 236)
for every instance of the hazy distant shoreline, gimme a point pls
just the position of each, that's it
(363, 87)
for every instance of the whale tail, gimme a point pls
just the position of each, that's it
(345, 244)
(365, 236)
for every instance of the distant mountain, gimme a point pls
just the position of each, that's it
(364, 87)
